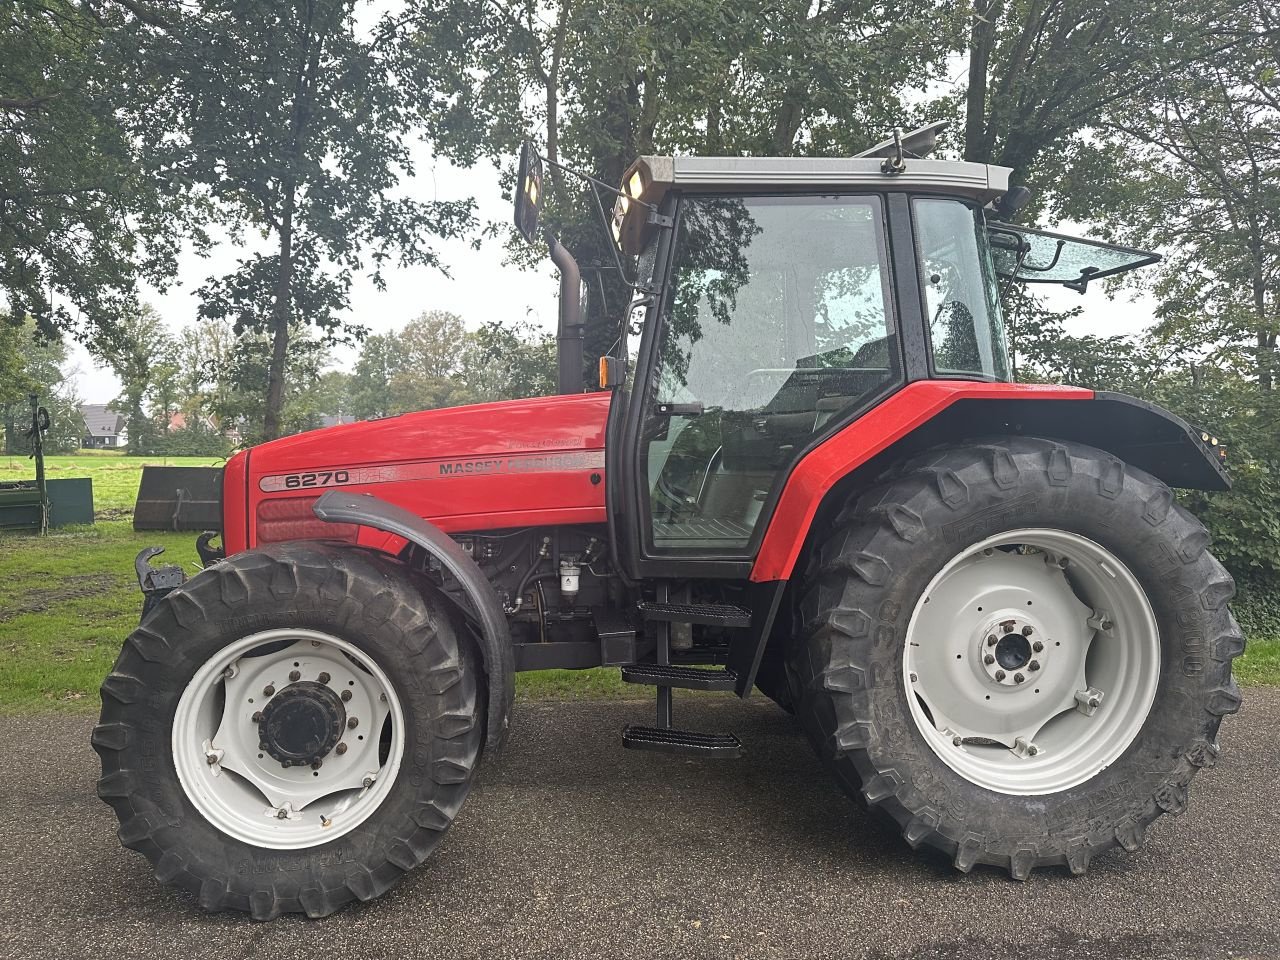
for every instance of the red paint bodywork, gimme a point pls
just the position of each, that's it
(514, 463)
(532, 463)
(891, 420)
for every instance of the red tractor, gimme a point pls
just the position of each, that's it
(805, 470)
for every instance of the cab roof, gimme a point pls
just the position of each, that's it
(649, 179)
(978, 181)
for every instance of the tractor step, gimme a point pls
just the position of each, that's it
(710, 745)
(688, 678)
(710, 614)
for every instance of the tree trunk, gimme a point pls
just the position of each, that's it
(981, 39)
(281, 308)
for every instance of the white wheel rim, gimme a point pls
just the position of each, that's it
(1096, 669)
(242, 789)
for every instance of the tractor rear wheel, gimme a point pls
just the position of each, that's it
(1020, 650)
(293, 729)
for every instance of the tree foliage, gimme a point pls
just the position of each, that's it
(83, 213)
(32, 362)
(305, 142)
(435, 362)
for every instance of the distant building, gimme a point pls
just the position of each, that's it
(104, 428)
(333, 420)
(179, 421)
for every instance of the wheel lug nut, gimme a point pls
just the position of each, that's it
(294, 676)
(346, 695)
(988, 659)
(1006, 628)
(257, 716)
(991, 640)
(1033, 665)
(262, 745)
(1000, 674)
(340, 749)
(957, 741)
(1018, 678)
(282, 814)
(353, 722)
(268, 690)
(1027, 631)
(323, 678)
(1037, 646)
(317, 764)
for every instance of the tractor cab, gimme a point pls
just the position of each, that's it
(776, 301)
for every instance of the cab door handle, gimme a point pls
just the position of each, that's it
(693, 409)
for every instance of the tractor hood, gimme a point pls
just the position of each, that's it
(490, 466)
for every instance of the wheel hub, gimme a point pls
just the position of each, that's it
(1012, 649)
(302, 723)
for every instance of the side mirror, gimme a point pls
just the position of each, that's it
(1012, 202)
(528, 192)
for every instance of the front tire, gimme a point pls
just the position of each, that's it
(966, 746)
(293, 729)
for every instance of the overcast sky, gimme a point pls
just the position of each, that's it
(480, 287)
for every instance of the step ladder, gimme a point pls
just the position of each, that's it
(665, 676)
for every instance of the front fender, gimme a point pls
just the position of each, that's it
(366, 510)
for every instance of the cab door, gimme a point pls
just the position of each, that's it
(773, 325)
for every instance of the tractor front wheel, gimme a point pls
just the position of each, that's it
(293, 729)
(1020, 650)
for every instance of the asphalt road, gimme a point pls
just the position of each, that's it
(575, 847)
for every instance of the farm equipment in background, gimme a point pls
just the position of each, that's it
(40, 504)
(178, 498)
(813, 475)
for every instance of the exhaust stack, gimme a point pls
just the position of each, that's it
(569, 333)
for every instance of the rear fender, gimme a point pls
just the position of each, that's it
(933, 413)
(366, 510)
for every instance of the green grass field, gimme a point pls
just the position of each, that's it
(115, 476)
(67, 602)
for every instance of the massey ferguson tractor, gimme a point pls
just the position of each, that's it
(804, 468)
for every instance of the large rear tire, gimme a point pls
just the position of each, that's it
(921, 616)
(293, 729)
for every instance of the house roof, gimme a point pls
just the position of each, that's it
(101, 421)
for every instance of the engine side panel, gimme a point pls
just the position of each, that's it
(535, 462)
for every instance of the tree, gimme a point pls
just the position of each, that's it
(1204, 186)
(138, 349)
(32, 362)
(304, 143)
(436, 362)
(82, 214)
(245, 403)
(1042, 72)
(501, 362)
(427, 358)
(370, 387)
(607, 82)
